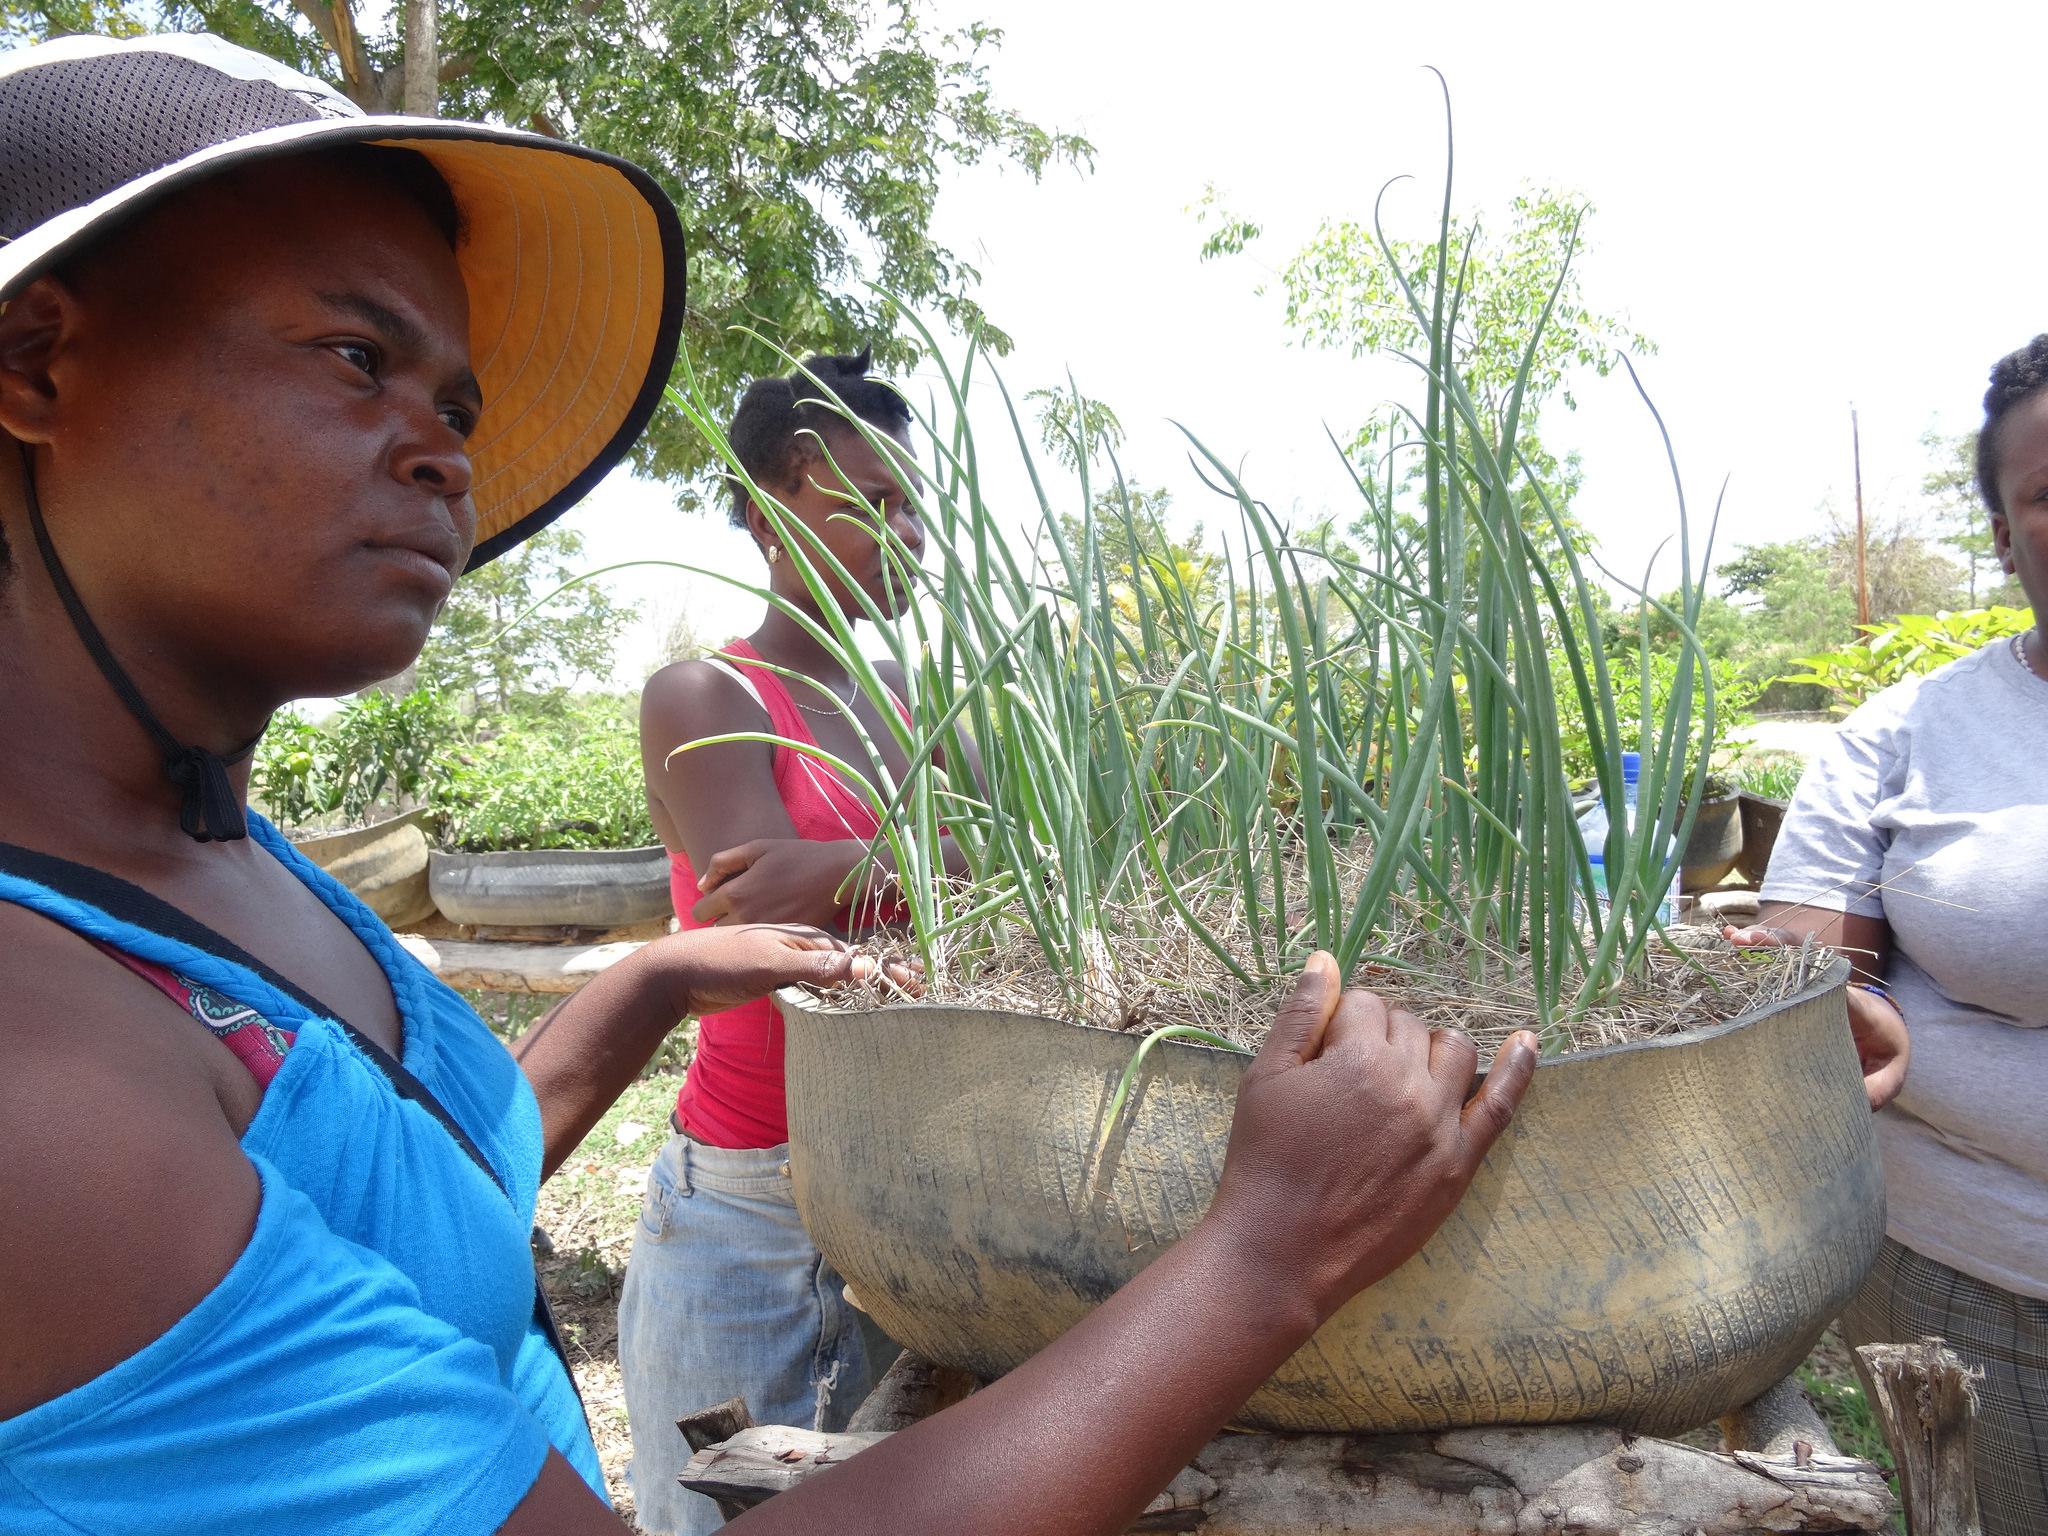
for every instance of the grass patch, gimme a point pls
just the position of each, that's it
(588, 1210)
(1830, 1380)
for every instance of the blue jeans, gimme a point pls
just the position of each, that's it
(726, 1297)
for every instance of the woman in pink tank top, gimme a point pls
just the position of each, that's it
(733, 1095)
(725, 1295)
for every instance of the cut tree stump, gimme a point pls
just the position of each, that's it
(910, 1390)
(709, 1426)
(1581, 1479)
(1926, 1401)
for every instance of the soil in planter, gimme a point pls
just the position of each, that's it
(1156, 973)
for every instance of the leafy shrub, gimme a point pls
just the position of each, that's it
(567, 778)
(1734, 698)
(1912, 644)
(1773, 776)
(378, 754)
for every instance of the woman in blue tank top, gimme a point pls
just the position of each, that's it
(272, 375)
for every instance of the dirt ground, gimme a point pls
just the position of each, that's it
(588, 1209)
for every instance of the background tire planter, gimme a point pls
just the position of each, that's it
(1761, 818)
(384, 864)
(1714, 847)
(1662, 1233)
(552, 887)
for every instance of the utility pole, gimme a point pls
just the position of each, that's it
(1862, 577)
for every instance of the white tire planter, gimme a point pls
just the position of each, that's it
(384, 864)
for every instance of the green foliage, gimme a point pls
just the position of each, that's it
(1734, 696)
(471, 657)
(1173, 770)
(1959, 517)
(378, 753)
(1770, 775)
(1830, 1382)
(1912, 644)
(1347, 290)
(804, 142)
(565, 778)
(1134, 549)
(1515, 326)
(1800, 598)
(1071, 427)
(21, 24)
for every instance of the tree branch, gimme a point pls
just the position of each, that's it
(358, 78)
(316, 12)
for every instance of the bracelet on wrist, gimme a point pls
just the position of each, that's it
(1878, 989)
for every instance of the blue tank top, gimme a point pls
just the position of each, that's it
(371, 1362)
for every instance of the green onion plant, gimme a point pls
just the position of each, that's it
(1299, 746)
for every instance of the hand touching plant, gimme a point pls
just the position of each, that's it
(1354, 1137)
(720, 968)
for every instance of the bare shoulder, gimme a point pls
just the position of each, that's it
(689, 699)
(890, 671)
(127, 1195)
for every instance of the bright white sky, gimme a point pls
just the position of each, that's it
(1803, 204)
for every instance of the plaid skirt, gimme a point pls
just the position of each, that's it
(1909, 1297)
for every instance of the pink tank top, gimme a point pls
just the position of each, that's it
(732, 1096)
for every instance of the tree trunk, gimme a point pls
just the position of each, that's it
(421, 96)
(1581, 1479)
(1926, 1401)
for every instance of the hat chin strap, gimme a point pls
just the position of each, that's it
(211, 812)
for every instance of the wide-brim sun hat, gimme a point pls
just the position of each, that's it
(573, 259)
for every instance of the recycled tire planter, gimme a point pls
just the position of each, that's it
(1761, 818)
(1662, 1233)
(1714, 847)
(384, 864)
(552, 887)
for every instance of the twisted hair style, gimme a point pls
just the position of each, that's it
(775, 431)
(2015, 378)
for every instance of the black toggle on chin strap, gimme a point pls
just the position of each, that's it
(211, 811)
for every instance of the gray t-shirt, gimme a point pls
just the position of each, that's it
(1929, 808)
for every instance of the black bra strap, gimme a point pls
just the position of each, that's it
(130, 903)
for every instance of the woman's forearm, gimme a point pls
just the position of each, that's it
(1350, 1143)
(1867, 941)
(589, 1049)
(1079, 1438)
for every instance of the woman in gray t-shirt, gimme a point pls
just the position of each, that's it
(1919, 837)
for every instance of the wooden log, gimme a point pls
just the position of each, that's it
(1584, 1479)
(709, 1426)
(910, 1390)
(555, 969)
(1926, 1403)
(1779, 1423)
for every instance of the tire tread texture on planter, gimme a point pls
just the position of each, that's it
(1663, 1232)
(385, 865)
(550, 888)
